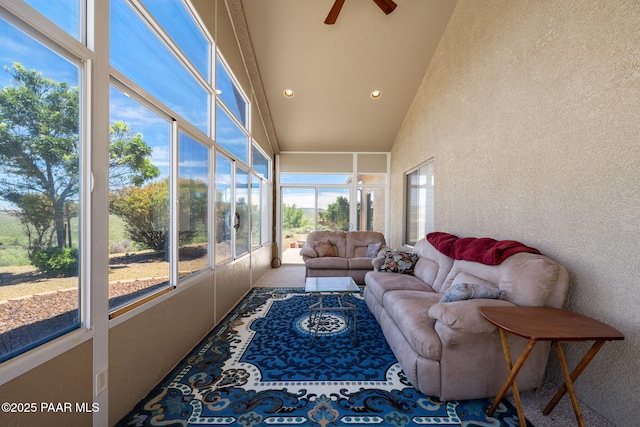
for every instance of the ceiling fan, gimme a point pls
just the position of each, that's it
(387, 7)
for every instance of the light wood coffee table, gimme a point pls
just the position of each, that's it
(547, 324)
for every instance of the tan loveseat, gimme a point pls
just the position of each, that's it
(340, 253)
(447, 349)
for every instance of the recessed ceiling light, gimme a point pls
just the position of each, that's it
(288, 93)
(376, 94)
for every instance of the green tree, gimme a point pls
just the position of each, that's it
(129, 158)
(336, 217)
(145, 211)
(39, 151)
(192, 194)
(293, 217)
(35, 212)
(39, 124)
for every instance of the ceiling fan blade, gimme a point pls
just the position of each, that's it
(334, 12)
(387, 6)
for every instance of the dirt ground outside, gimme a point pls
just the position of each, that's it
(34, 306)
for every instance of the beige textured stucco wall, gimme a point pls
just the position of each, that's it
(531, 112)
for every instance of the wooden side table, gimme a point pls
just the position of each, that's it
(547, 324)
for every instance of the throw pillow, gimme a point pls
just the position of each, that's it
(398, 261)
(372, 250)
(464, 291)
(324, 248)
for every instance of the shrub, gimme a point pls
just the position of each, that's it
(120, 247)
(60, 262)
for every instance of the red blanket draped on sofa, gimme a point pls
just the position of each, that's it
(484, 250)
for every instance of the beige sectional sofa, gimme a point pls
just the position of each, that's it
(447, 349)
(340, 253)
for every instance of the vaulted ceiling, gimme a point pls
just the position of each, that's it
(334, 68)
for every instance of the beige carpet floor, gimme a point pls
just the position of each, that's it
(292, 275)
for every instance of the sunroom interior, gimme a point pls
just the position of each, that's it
(521, 124)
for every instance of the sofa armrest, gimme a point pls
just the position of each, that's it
(307, 251)
(377, 262)
(464, 316)
(382, 249)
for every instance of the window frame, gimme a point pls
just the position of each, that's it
(31, 22)
(429, 205)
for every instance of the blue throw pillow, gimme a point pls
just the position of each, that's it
(464, 291)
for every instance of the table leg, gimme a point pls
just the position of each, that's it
(316, 311)
(510, 381)
(574, 375)
(570, 378)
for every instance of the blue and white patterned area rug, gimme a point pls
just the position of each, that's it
(257, 368)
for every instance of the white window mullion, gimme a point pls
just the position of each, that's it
(174, 207)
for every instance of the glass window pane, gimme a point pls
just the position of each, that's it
(139, 148)
(179, 24)
(256, 211)
(420, 203)
(230, 136)
(298, 220)
(39, 193)
(63, 13)
(193, 189)
(305, 178)
(223, 209)
(266, 204)
(242, 212)
(229, 93)
(260, 162)
(371, 209)
(162, 75)
(333, 209)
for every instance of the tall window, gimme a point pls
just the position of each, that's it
(371, 202)
(256, 211)
(41, 201)
(162, 142)
(420, 206)
(242, 218)
(139, 189)
(223, 209)
(193, 203)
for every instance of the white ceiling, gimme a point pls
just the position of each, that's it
(334, 68)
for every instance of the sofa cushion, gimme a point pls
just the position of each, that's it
(327, 263)
(357, 242)
(464, 291)
(527, 279)
(380, 282)
(464, 316)
(360, 263)
(324, 248)
(398, 261)
(432, 266)
(410, 311)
